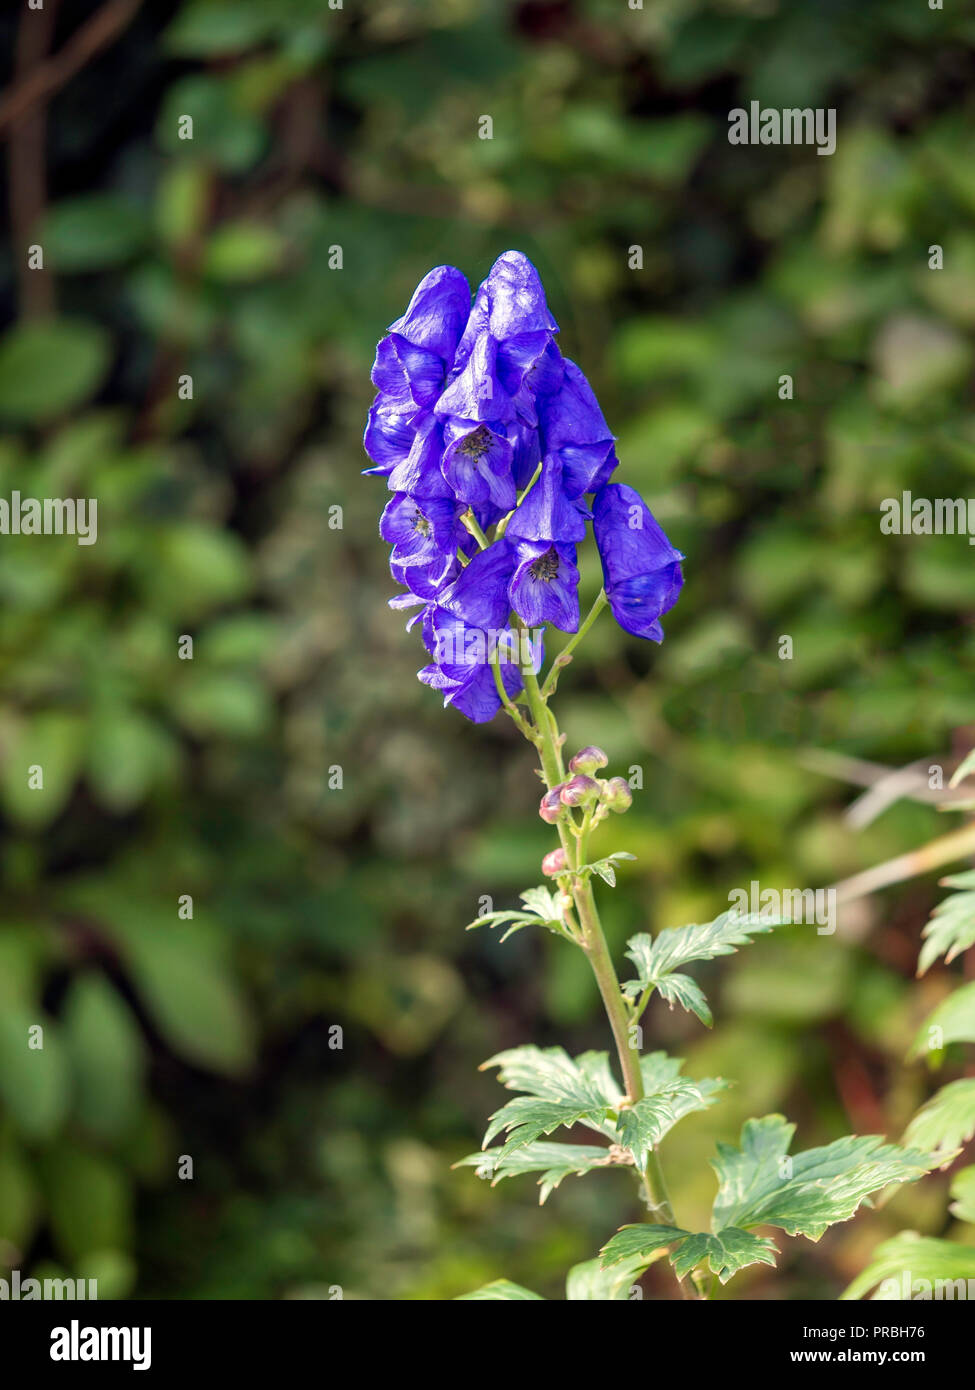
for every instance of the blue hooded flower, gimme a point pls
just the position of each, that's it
(420, 473)
(389, 435)
(472, 688)
(477, 466)
(477, 393)
(509, 302)
(572, 425)
(409, 377)
(545, 585)
(641, 568)
(463, 626)
(437, 313)
(421, 530)
(546, 513)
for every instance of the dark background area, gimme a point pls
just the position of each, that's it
(318, 906)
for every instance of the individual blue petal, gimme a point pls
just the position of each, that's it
(477, 394)
(407, 375)
(546, 513)
(421, 530)
(477, 698)
(437, 312)
(545, 585)
(424, 582)
(420, 473)
(479, 594)
(545, 375)
(477, 324)
(523, 438)
(521, 355)
(389, 435)
(571, 423)
(517, 298)
(477, 466)
(587, 467)
(641, 569)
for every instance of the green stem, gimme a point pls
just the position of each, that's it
(594, 944)
(565, 655)
(470, 521)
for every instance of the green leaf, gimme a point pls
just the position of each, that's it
(34, 1081)
(542, 901)
(542, 911)
(501, 1289)
(554, 1162)
(951, 929)
(726, 1251)
(50, 366)
(93, 232)
(240, 251)
(605, 868)
(632, 1243)
(590, 1281)
(194, 1002)
(526, 1118)
(643, 1125)
(945, 1122)
(657, 956)
(964, 769)
(908, 1258)
(106, 1049)
(203, 29)
(562, 1091)
(759, 1185)
(682, 990)
(954, 1018)
(89, 1200)
(566, 1091)
(54, 741)
(963, 1191)
(20, 1207)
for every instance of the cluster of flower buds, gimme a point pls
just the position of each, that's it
(588, 792)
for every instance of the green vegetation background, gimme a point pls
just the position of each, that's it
(315, 907)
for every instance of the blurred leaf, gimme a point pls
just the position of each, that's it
(240, 251)
(93, 232)
(49, 367)
(54, 743)
(501, 1289)
(20, 1205)
(917, 1258)
(34, 1084)
(589, 1281)
(946, 1122)
(89, 1202)
(952, 1021)
(105, 1047)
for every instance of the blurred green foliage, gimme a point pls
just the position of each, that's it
(314, 905)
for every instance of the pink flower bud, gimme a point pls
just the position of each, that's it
(578, 791)
(554, 863)
(550, 807)
(588, 760)
(617, 795)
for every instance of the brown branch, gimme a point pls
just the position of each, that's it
(27, 167)
(47, 77)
